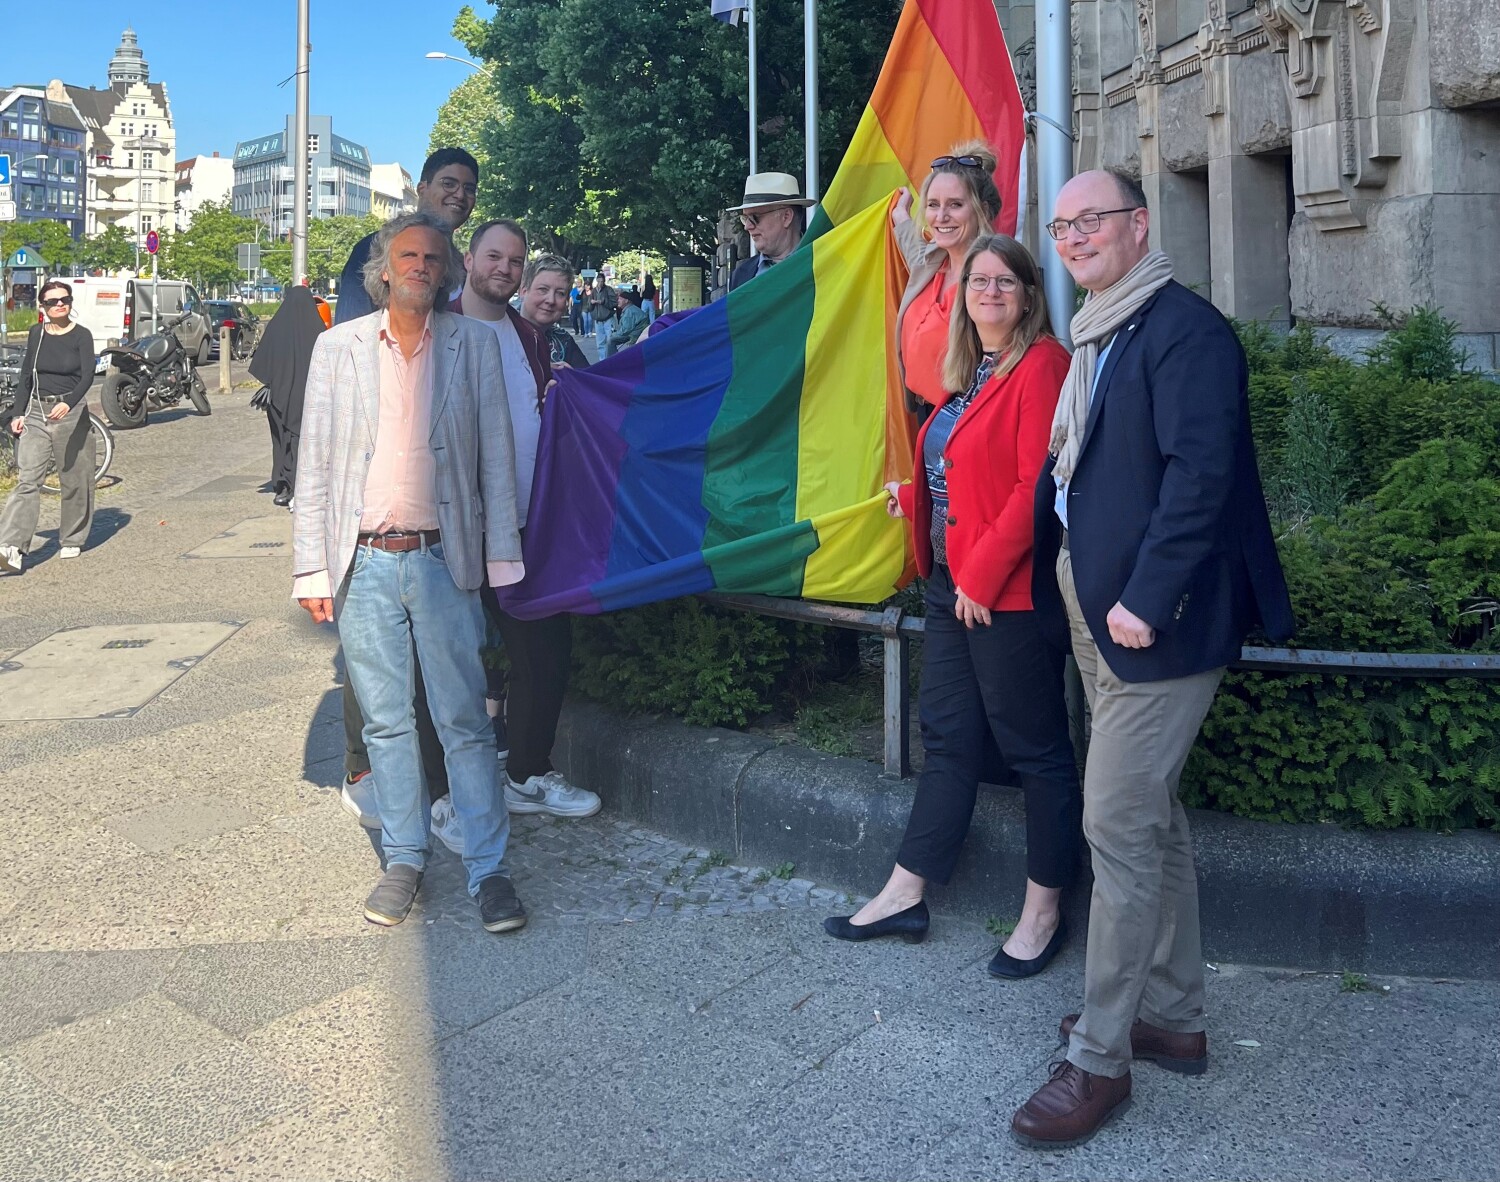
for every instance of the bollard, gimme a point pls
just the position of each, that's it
(225, 348)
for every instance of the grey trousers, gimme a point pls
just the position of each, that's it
(69, 445)
(1145, 958)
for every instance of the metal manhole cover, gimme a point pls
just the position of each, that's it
(128, 643)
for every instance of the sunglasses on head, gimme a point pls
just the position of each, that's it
(965, 161)
(59, 302)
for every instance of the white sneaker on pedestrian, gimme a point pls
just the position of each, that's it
(70, 552)
(550, 794)
(12, 559)
(445, 825)
(358, 797)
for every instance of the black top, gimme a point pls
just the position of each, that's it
(62, 364)
(564, 348)
(285, 351)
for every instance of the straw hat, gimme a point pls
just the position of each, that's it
(765, 190)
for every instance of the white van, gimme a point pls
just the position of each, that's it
(120, 310)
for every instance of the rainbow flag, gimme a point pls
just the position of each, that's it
(745, 448)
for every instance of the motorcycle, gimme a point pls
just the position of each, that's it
(149, 374)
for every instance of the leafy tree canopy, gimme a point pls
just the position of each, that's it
(207, 251)
(111, 249)
(51, 239)
(625, 126)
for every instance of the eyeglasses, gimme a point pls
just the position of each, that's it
(1084, 223)
(966, 161)
(751, 220)
(1002, 283)
(451, 185)
(59, 302)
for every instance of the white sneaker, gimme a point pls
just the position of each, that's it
(358, 797)
(445, 825)
(550, 794)
(12, 559)
(70, 552)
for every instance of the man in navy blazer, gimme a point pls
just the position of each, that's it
(1154, 557)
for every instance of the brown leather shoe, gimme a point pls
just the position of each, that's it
(1186, 1054)
(1069, 1108)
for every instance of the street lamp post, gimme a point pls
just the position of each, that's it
(448, 57)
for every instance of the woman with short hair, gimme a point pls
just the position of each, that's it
(988, 674)
(51, 420)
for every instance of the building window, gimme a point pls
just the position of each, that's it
(148, 160)
(148, 191)
(145, 223)
(312, 145)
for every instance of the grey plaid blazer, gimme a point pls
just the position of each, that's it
(471, 442)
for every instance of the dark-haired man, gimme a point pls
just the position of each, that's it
(448, 189)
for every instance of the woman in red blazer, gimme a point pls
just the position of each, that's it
(987, 672)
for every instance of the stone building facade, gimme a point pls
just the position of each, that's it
(1306, 160)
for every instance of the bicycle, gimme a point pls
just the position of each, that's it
(10, 381)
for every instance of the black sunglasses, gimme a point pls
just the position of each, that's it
(966, 161)
(59, 302)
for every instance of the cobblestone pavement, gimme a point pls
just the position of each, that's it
(188, 990)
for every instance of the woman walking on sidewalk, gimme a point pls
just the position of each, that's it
(989, 676)
(51, 420)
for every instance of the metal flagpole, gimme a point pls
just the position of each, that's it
(754, 90)
(1054, 146)
(810, 88)
(299, 160)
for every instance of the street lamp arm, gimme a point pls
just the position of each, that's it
(449, 57)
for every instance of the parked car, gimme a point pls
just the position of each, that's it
(117, 310)
(244, 327)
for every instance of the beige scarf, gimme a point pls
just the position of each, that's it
(1102, 314)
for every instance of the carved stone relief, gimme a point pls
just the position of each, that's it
(1147, 55)
(1024, 61)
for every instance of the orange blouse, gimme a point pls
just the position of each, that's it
(924, 338)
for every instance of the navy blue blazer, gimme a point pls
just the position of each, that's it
(744, 271)
(1165, 509)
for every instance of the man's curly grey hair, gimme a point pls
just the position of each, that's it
(379, 264)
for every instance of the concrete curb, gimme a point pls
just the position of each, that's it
(1306, 896)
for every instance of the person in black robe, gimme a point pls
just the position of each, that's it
(280, 364)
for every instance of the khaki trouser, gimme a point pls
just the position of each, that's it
(1144, 955)
(68, 445)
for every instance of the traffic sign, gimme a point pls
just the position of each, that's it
(7, 193)
(7, 211)
(152, 241)
(4, 168)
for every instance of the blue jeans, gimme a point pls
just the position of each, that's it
(389, 603)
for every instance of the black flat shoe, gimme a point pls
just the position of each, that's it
(1007, 966)
(283, 498)
(910, 925)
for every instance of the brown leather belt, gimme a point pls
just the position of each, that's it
(400, 541)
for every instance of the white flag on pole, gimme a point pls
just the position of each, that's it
(731, 12)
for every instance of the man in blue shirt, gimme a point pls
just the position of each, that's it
(447, 190)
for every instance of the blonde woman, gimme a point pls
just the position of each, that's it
(987, 672)
(958, 201)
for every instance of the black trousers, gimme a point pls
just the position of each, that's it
(357, 755)
(541, 657)
(283, 451)
(1002, 684)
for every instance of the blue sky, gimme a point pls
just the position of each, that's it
(221, 63)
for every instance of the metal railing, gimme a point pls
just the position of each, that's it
(897, 630)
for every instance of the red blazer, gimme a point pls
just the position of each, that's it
(994, 457)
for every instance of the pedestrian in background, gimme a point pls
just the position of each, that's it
(630, 322)
(604, 315)
(648, 298)
(989, 676)
(575, 308)
(1154, 554)
(280, 364)
(51, 422)
(408, 506)
(958, 202)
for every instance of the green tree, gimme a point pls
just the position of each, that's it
(627, 128)
(111, 249)
(207, 251)
(329, 243)
(49, 238)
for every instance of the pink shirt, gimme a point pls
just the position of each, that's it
(401, 488)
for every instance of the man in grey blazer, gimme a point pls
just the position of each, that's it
(406, 502)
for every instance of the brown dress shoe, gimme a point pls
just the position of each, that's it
(1186, 1054)
(1070, 1108)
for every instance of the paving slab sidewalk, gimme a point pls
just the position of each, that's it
(188, 990)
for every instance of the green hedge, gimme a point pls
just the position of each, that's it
(1384, 485)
